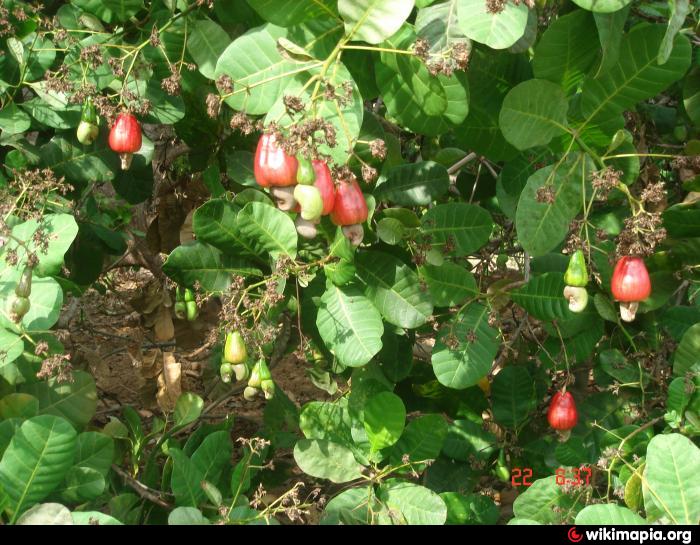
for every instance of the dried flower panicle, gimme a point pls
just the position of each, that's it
(58, 367)
(604, 181)
(213, 105)
(241, 122)
(172, 84)
(377, 148)
(545, 194)
(224, 84)
(641, 234)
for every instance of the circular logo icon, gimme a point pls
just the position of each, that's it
(573, 535)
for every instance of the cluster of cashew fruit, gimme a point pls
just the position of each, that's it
(234, 361)
(304, 185)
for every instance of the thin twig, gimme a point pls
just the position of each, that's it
(154, 496)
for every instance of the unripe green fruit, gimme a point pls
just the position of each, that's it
(24, 285)
(310, 200)
(260, 373)
(189, 295)
(680, 133)
(305, 172)
(181, 310)
(234, 349)
(268, 388)
(225, 371)
(249, 393)
(179, 294)
(192, 311)
(87, 133)
(18, 308)
(576, 274)
(242, 371)
(502, 471)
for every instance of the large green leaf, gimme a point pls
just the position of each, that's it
(292, 12)
(607, 514)
(213, 456)
(350, 325)
(539, 500)
(461, 226)
(60, 230)
(421, 440)
(372, 21)
(686, 359)
(12, 347)
(271, 229)
(326, 460)
(449, 284)
(566, 51)
(13, 120)
(611, 30)
(691, 95)
(205, 43)
(497, 30)
(467, 440)
(465, 348)
(414, 184)
(78, 163)
(36, 461)
(423, 103)
(543, 297)
(533, 113)
(513, 396)
(439, 24)
(670, 487)
(414, 504)
(394, 288)
(46, 300)
(111, 11)
(204, 263)
(541, 226)
(636, 76)
(259, 78)
(602, 6)
(94, 450)
(384, 420)
(75, 401)
(186, 480)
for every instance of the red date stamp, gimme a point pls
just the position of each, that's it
(575, 476)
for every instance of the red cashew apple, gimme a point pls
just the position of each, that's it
(125, 138)
(350, 211)
(325, 185)
(275, 169)
(630, 284)
(562, 414)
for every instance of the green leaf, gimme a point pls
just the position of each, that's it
(187, 516)
(85, 518)
(425, 104)
(188, 408)
(46, 514)
(497, 30)
(384, 420)
(18, 406)
(390, 230)
(541, 226)
(75, 401)
(685, 359)
(414, 184)
(440, 26)
(350, 325)
(691, 95)
(470, 509)
(543, 297)
(372, 21)
(60, 230)
(13, 120)
(326, 460)
(394, 289)
(12, 347)
(607, 514)
(679, 11)
(422, 439)
(474, 351)
(449, 284)
(326, 420)
(671, 493)
(82, 484)
(260, 78)
(602, 6)
(636, 76)
(513, 396)
(566, 52)
(205, 43)
(36, 461)
(186, 479)
(111, 10)
(292, 12)
(357, 505)
(533, 113)
(201, 262)
(538, 501)
(80, 164)
(94, 450)
(272, 230)
(464, 227)
(213, 456)
(611, 30)
(415, 504)
(46, 300)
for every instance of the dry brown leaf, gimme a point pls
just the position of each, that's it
(186, 231)
(163, 327)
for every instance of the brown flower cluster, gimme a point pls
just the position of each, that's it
(243, 123)
(342, 97)
(443, 62)
(604, 181)
(171, 84)
(377, 148)
(224, 84)
(641, 234)
(545, 194)
(293, 104)
(92, 56)
(57, 366)
(213, 105)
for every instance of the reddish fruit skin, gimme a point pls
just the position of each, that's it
(630, 280)
(273, 167)
(350, 207)
(562, 414)
(125, 135)
(325, 185)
